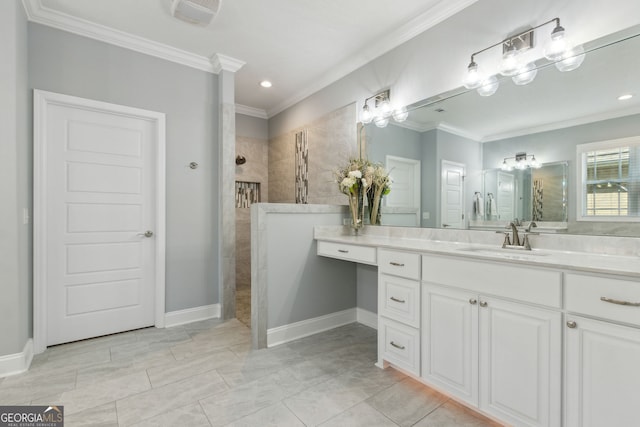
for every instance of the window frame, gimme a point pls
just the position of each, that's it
(581, 178)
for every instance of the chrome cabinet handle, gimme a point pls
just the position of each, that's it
(446, 225)
(620, 302)
(571, 324)
(483, 303)
(473, 301)
(147, 233)
(401, 347)
(396, 264)
(397, 300)
(343, 251)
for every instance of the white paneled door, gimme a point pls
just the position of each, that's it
(452, 196)
(98, 217)
(406, 187)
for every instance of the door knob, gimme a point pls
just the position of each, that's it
(147, 233)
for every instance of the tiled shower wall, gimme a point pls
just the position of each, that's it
(332, 141)
(254, 170)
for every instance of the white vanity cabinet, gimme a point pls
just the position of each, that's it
(602, 358)
(503, 356)
(399, 309)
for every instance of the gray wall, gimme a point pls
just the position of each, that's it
(560, 145)
(430, 187)
(300, 284)
(252, 127)
(65, 63)
(15, 182)
(367, 286)
(392, 140)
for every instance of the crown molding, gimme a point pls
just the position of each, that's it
(39, 14)
(459, 132)
(411, 125)
(428, 19)
(563, 124)
(222, 62)
(251, 111)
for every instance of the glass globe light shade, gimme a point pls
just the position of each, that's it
(556, 46)
(511, 62)
(489, 86)
(505, 166)
(384, 108)
(381, 122)
(474, 77)
(366, 115)
(400, 115)
(525, 74)
(534, 163)
(571, 59)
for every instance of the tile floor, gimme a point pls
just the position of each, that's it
(243, 303)
(205, 374)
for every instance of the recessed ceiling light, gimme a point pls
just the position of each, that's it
(625, 97)
(265, 83)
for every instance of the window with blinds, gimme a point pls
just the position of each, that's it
(610, 179)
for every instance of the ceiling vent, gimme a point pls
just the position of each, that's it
(199, 12)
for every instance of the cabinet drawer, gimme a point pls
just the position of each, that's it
(403, 264)
(363, 254)
(529, 284)
(400, 345)
(614, 299)
(400, 299)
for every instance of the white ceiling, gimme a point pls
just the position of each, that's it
(300, 45)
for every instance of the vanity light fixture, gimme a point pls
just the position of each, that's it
(520, 161)
(382, 110)
(514, 64)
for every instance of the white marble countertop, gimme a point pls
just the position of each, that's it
(628, 265)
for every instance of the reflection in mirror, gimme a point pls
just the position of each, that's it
(533, 194)
(548, 117)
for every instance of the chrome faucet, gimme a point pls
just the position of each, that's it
(515, 239)
(514, 242)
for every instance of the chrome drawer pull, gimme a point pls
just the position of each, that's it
(397, 300)
(483, 304)
(473, 301)
(343, 251)
(401, 347)
(396, 264)
(571, 324)
(619, 302)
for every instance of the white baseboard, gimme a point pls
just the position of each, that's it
(367, 318)
(17, 363)
(304, 328)
(190, 315)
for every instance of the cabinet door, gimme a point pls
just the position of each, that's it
(520, 362)
(602, 373)
(450, 341)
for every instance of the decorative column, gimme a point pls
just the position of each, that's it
(225, 67)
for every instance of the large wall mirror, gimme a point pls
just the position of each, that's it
(459, 140)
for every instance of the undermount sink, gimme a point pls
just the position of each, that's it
(503, 252)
